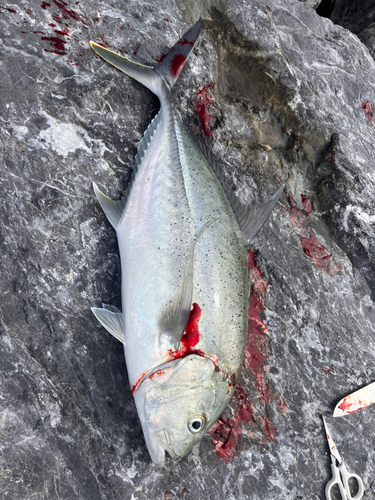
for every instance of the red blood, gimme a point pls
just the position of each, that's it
(52, 25)
(62, 32)
(317, 252)
(226, 434)
(200, 103)
(300, 218)
(45, 5)
(346, 406)
(257, 349)
(281, 405)
(188, 341)
(327, 369)
(184, 42)
(157, 373)
(367, 108)
(28, 11)
(226, 438)
(68, 13)
(160, 58)
(58, 43)
(39, 32)
(306, 204)
(177, 64)
(312, 247)
(12, 11)
(268, 429)
(191, 336)
(135, 386)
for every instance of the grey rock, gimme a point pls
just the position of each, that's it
(314, 4)
(354, 15)
(368, 38)
(287, 99)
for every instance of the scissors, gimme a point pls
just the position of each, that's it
(340, 474)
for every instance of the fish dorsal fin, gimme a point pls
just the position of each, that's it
(145, 142)
(114, 210)
(175, 314)
(112, 319)
(250, 219)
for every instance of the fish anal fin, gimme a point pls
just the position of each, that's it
(114, 210)
(112, 319)
(250, 219)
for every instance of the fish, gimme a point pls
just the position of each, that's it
(183, 238)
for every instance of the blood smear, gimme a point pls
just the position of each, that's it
(226, 433)
(201, 102)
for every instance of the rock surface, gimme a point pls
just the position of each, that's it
(288, 103)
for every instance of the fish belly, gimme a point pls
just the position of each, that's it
(175, 192)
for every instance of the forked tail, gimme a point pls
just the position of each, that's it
(162, 75)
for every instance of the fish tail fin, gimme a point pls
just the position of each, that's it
(166, 72)
(173, 63)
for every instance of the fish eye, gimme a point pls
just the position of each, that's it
(196, 423)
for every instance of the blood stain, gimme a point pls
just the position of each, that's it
(316, 251)
(62, 32)
(58, 43)
(12, 11)
(226, 433)
(312, 247)
(191, 336)
(185, 42)
(177, 64)
(201, 102)
(157, 373)
(367, 108)
(348, 406)
(160, 58)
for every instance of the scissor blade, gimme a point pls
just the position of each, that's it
(332, 447)
(356, 401)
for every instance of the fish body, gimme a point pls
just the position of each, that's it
(185, 283)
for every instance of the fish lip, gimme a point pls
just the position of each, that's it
(166, 442)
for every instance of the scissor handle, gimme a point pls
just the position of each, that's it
(336, 479)
(345, 479)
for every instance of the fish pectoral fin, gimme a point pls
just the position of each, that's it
(112, 209)
(175, 314)
(251, 219)
(112, 319)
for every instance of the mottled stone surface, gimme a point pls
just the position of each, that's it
(355, 15)
(368, 38)
(287, 99)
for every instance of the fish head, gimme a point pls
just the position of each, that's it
(178, 404)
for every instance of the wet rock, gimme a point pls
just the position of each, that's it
(288, 103)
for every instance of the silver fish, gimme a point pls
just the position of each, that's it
(185, 286)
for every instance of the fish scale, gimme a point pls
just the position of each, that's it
(185, 283)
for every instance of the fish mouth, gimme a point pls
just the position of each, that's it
(163, 438)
